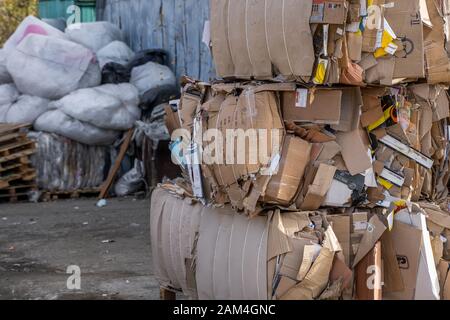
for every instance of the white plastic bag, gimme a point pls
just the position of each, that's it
(113, 107)
(150, 76)
(52, 68)
(8, 94)
(58, 122)
(27, 109)
(5, 77)
(31, 25)
(94, 35)
(116, 51)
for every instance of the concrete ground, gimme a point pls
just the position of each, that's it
(111, 245)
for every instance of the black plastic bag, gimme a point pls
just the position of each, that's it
(115, 73)
(159, 56)
(159, 95)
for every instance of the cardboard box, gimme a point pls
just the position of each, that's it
(273, 36)
(329, 12)
(321, 106)
(317, 191)
(284, 186)
(405, 19)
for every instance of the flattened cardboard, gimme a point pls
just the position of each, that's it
(318, 190)
(355, 151)
(407, 242)
(393, 280)
(372, 235)
(318, 106)
(284, 186)
(172, 120)
(316, 280)
(350, 110)
(329, 12)
(341, 227)
(404, 18)
(427, 278)
(368, 271)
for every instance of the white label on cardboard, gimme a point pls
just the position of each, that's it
(318, 13)
(391, 49)
(360, 226)
(301, 100)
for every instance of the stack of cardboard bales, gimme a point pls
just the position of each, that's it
(349, 101)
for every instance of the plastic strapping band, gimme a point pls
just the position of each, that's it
(218, 165)
(229, 255)
(242, 259)
(228, 36)
(284, 38)
(246, 35)
(265, 28)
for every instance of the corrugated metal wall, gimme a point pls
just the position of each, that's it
(175, 25)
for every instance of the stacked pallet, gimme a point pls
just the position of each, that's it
(17, 177)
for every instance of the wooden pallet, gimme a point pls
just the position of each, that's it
(64, 195)
(15, 165)
(17, 193)
(167, 294)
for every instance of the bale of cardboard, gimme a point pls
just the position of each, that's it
(353, 99)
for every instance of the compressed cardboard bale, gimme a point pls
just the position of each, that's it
(174, 224)
(232, 257)
(248, 37)
(246, 123)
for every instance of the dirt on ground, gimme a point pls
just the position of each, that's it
(110, 246)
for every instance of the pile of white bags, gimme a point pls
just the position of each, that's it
(52, 79)
(94, 35)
